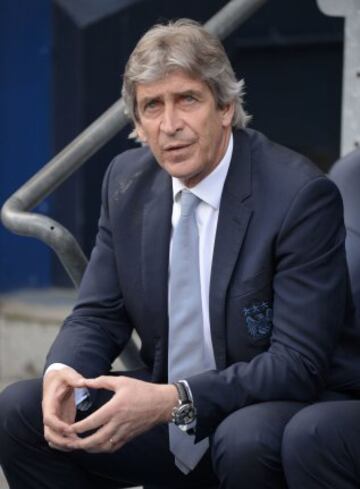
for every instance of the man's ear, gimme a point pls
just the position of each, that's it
(140, 132)
(228, 114)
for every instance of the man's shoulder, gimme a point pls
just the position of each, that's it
(279, 159)
(131, 169)
(132, 160)
(131, 178)
(277, 175)
(278, 170)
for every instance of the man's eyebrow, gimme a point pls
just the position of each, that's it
(146, 99)
(180, 93)
(190, 91)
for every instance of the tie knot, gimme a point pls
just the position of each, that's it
(189, 202)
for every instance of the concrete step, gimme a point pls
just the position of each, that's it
(29, 322)
(3, 483)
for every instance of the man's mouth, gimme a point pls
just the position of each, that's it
(177, 147)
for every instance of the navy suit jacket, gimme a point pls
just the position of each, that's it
(279, 282)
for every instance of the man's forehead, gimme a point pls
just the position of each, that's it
(171, 83)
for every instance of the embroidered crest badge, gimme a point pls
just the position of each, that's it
(258, 319)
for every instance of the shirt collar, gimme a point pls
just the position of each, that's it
(210, 188)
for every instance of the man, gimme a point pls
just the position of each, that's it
(226, 253)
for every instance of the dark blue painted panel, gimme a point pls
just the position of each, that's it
(25, 46)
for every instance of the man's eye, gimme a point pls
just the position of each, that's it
(189, 98)
(153, 104)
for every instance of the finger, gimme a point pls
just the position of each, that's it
(73, 381)
(103, 382)
(56, 424)
(95, 420)
(118, 441)
(59, 448)
(108, 447)
(102, 440)
(58, 437)
(116, 446)
(71, 376)
(61, 379)
(54, 398)
(103, 445)
(59, 414)
(57, 441)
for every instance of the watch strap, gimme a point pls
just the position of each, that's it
(182, 392)
(184, 413)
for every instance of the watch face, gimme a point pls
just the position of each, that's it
(185, 414)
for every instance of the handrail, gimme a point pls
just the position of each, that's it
(15, 213)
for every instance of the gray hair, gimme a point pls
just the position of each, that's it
(183, 45)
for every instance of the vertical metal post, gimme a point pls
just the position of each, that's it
(350, 123)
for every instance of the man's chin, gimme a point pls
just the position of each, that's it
(175, 171)
(178, 167)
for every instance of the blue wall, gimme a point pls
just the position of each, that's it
(25, 70)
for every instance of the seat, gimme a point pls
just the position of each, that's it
(345, 173)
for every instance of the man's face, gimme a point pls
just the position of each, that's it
(179, 120)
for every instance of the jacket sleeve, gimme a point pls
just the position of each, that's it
(309, 301)
(98, 328)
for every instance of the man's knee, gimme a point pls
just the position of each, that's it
(20, 415)
(248, 442)
(237, 440)
(301, 436)
(317, 447)
(318, 430)
(19, 398)
(321, 446)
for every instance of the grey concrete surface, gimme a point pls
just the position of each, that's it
(3, 483)
(29, 321)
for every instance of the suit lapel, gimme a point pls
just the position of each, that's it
(155, 253)
(231, 229)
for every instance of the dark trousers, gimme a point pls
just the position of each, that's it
(245, 450)
(321, 447)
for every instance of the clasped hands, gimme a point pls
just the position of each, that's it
(135, 407)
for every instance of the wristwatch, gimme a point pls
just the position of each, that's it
(185, 412)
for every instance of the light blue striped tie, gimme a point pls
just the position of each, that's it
(186, 338)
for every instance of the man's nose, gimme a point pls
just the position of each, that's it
(171, 121)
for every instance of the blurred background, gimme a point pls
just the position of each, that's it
(61, 63)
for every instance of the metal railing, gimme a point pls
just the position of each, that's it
(15, 213)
